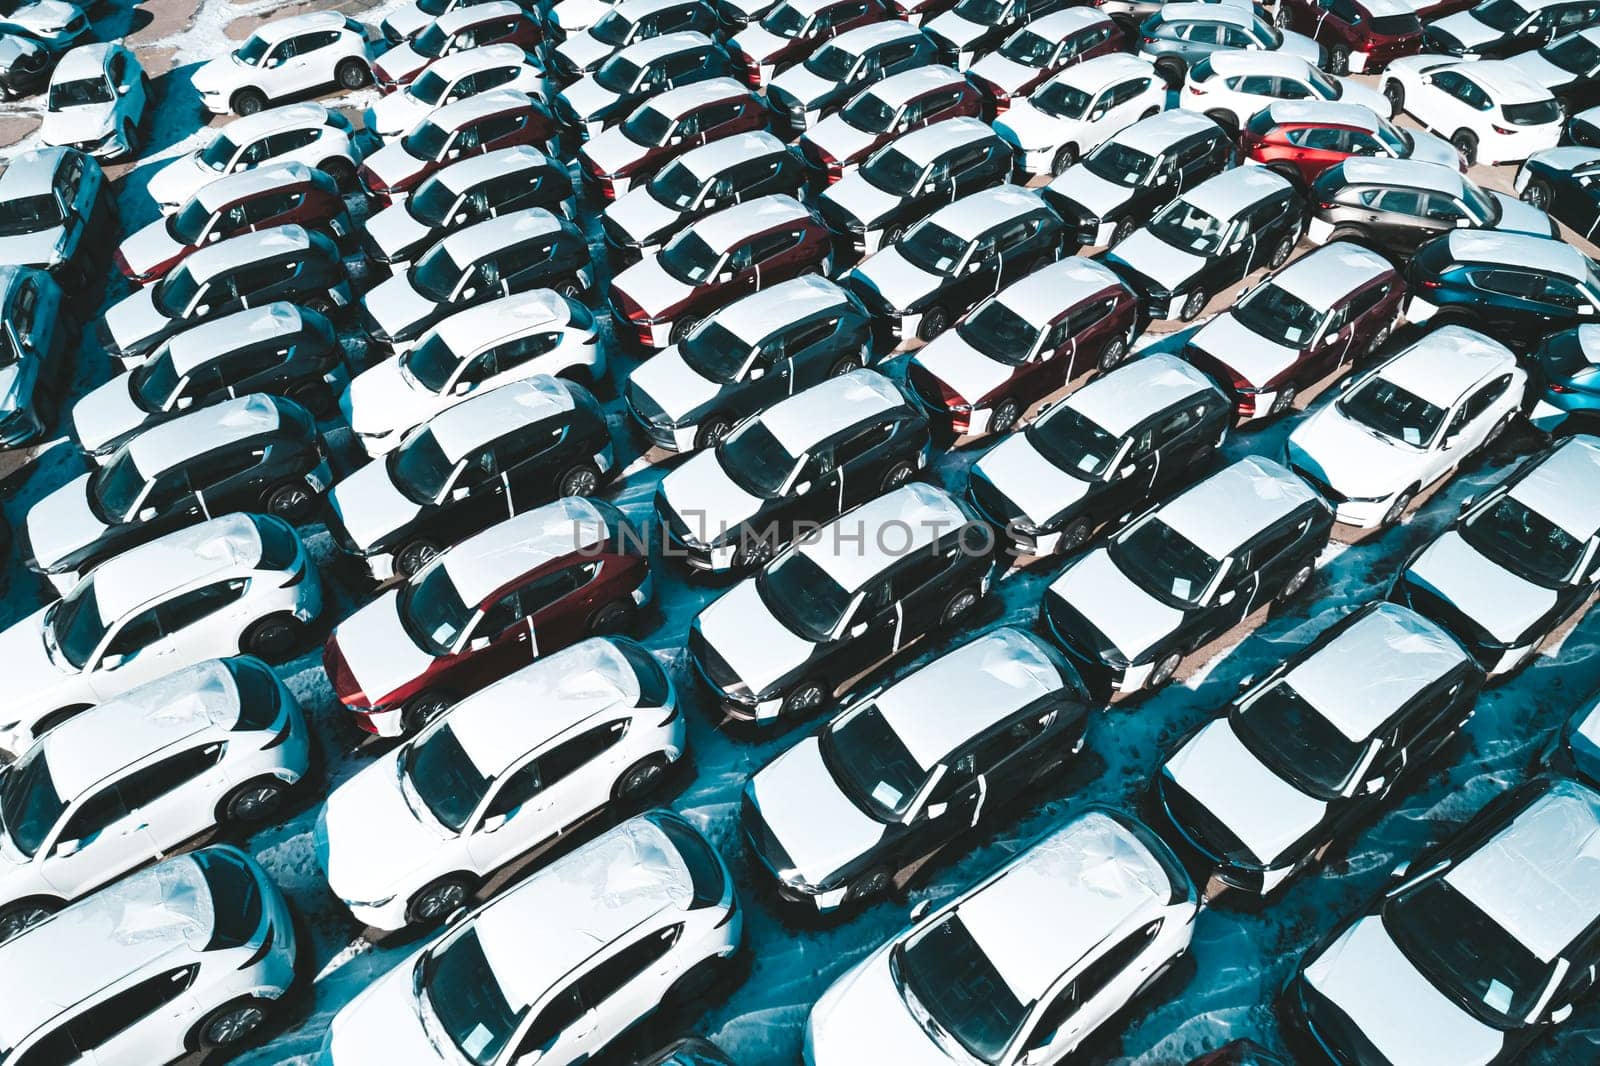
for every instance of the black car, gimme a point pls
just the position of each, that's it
(485, 186)
(257, 453)
(1515, 288)
(1100, 455)
(1118, 186)
(1310, 752)
(746, 356)
(841, 67)
(1495, 29)
(1209, 238)
(909, 178)
(635, 74)
(796, 464)
(727, 171)
(690, 1051)
(841, 602)
(1569, 67)
(277, 348)
(493, 455)
(911, 766)
(24, 66)
(1184, 573)
(955, 257)
(1566, 183)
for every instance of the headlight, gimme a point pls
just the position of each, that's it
(1022, 525)
(374, 904)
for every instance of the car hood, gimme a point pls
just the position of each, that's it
(1501, 602)
(804, 86)
(759, 43)
(180, 179)
(1467, 30)
(1031, 129)
(392, 230)
(673, 385)
(107, 415)
(32, 676)
(37, 249)
(1264, 811)
(369, 506)
(379, 652)
(862, 1018)
(706, 499)
(584, 50)
(1518, 217)
(611, 152)
(1352, 460)
(384, 398)
(641, 217)
(396, 305)
(969, 373)
(862, 200)
(1365, 975)
(373, 838)
(1039, 488)
(392, 165)
(1125, 614)
(381, 1025)
(394, 114)
(63, 523)
(402, 62)
(1432, 148)
(819, 829)
(588, 98)
(1097, 196)
(1157, 260)
(900, 282)
(134, 321)
(406, 19)
(216, 75)
(957, 30)
(759, 649)
(649, 286)
(44, 16)
(841, 141)
(150, 248)
(1256, 359)
(1005, 74)
(77, 125)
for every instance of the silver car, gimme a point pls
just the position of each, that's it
(1180, 35)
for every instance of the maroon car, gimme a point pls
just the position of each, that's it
(473, 26)
(470, 126)
(918, 12)
(530, 585)
(1043, 48)
(666, 127)
(274, 195)
(883, 111)
(1357, 36)
(792, 30)
(719, 258)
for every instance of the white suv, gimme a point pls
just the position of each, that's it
(125, 783)
(98, 96)
(1488, 109)
(1077, 109)
(288, 57)
(455, 77)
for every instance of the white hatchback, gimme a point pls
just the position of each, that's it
(285, 58)
(1079, 108)
(1489, 109)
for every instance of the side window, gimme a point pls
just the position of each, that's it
(1206, 33)
(55, 1049)
(1448, 81)
(97, 812)
(191, 607)
(166, 490)
(1400, 201)
(1368, 298)
(100, 1023)
(271, 205)
(1506, 282)
(768, 245)
(289, 140)
(859, 444)
(1084, 317)
(546, 589)
(615, 973)
(501, 615)
(156, 780)
(136, 633)
(1481, 400)
(718, 114)
(514, 353)
(1563, 293)
(211, 469)
(498, 126)
(570, 755)
(808, 334)
(925, 566)
(1440, 207)
(1274, 544)
(1178, 423)
(1101, 972)
(518, 789)
(248, 362)
(547, 1028)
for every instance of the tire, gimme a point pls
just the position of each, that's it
(341, 170)
(272, 637)
(614, 617)
(870, 885)
(1537, 194)
(1280, 254)
(1067, 156)
(640, 779)
(1075, 534)
(1396, 94)
(231, 1024)
(1284, 400)
(1163, 671)
(898, 475)
(807, 698)
(247, 102)
(1172, 71)
(958, 607)
(290, 500)
(753, 554)
(581, 480)
(1349, 233)
(1123, 231)
(1113, 354)
(1397, 509)
(437, 899)
(24, 914)
(1295, 584)
(1339, 60)
(253, 802)
(712, 430)
(681, 328)
(572, 290)
(844, 366)
(1380, 338)
(424, 708)
(1467, 144)
(1005, 416)
(352, 74)
(935, 322)
(1194, 305)
(414, 556)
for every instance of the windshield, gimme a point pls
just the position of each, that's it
(785, 21)
(1118, 163)
(675, 186)
(1575, 54)
(114, 489)
(1503, 15)
(892, 172)
(1524, 541)
(1062, 100)
(612, 28)
(189, 224)
(868, 113)
(431, 363)
(1466, 954)
(433, 7)
(445, 777)
(419, 468)
(984, 12)
(28, 214)
(1164, 563)
(153, 383)
(430, 42)
(427, 141)
(466, 998)
(1387, 409)
(872, 764)
(1278, 315)
(1028, 48)
(428, 88)
(252, 50)
(689, 258)
(433, 612)
(802, 596)
(1484, 208)
(1186, 226)
(617, 74)
(933, 248)
(431, 203)
(714, 351)
(831, 62)
(647, 126)
(29, 804)
(219, 153)
(955, 982)
(999, 332)
(1294, 741)
(1536, 113)
(76, 625)
(756, 461)
(80, 93)
(175, 292)
(436, 274)
(1073, 443)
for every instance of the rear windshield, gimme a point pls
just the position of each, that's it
(236, 902)
(1535, 114)
(705, 871)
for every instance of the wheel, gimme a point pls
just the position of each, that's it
(1172, 71)
(642, 778)
(1396, 94)
(898, 475)
(933, 323)
(807, 698)
(352, 74)
(614, 617)
(414, 556)
(1537, 194)
(1005, 416)
(1339, 60)
(960, 605)
(341, 170)
(271, 638)
(844, 366)
(423, 709)
(1284, 400)
(1466, 142)
(571, 289)
(682, 327)
(1397, 509)
(248, 101)
(1123, 231)
(1380, 338)
(291, 500)
(1112, 355)
(438, 899)
(1295, 583)
(1496, 433)
(581, 480)
(753, 554)
(254, 801)
(712, 430)
(1163, 671)
(232, 1023)
(1280, 254)
(1075, 534)
(1064, 159)
(24, 915)
(1195, 304)
(1284, 18)
(870, 885)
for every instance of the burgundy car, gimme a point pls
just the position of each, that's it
(793, 29)
(1022, 344)
(883, 111)
(918, 12)
(1357, 36)
(1302, 138)
(273, 195)
(496, 22)
(1043, 48)
(470, 126)
(717, 259)
(666, 127)
(530, 585)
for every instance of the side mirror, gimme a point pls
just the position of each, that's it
(1226, 598)
(454, 153)
(936, 810)
(493, 822)
(1128, 470)
(1373, 786)
(1246, 681)
(461, 216)
(460, 492)
(203, 309)
(461, 388)
(921, 910)
(122, 90)
(214, 235)
(1399, 872)
(469, 292)
(477, 643)
(111, 662)
(1466, 505)
(973, 266)
(146, 514)
(68, 848)
(724, 277)
(676, 138)
(756, 373)
(802, 488)
(858, 629)
(1561, 1014)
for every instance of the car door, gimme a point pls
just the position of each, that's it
(228, 479)
(96, 843)
(808, 356)
(501, 641)
(314, 62)
(529, 458)
(475, 499)
(628, 985)
(873, 632)
(920, 585)
(862, 461)
(1469, 425)
(817, 493)
(143, 1023)
(1328, 348)
(1274, 557)
(559, 604)
(1100, 990)
(175, 797)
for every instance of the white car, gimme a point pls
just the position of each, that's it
(131, 780)
(555, 968)
(1021, 968)
(1078, 108)
(1408, 423)
(455, 77)
(186, 957)
(307, 133)
(409, 17)
(235, 583)
(98, 96)
(480, 348)
(502, 774)
(55, 24)
(1488, 109)
(568, 17)
(285, 58)
(1231, 86)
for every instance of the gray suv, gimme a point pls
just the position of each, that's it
(36, 347)
(1181, 34)
(55, 214)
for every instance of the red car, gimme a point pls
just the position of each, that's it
(1043, 48)
(1023, 343)
(665, 128)
(883, 111)
(470, 126)
(1358, 36)
(472, 26)
(791, 31)
(535, 583)
(719, 258)
(1301, 138)
(274, 195)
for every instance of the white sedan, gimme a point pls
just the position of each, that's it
(1079, 108)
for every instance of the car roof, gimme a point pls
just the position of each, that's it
(1412, 173)
(975, 213)
(1236, 190)
(652, 48)
(245, 249)
(1120, 400)
(1381, 8)
(922, 146)
(1062, 896)
(921, 514)
(490, 415)
(1238, 61)
(872, 34)
(458, 113)
(479, 168)
(676, 101)
(195, 433)
(222, 547)
(278, 29)
(826, 408)
(1564, 486)
(1204, 12)
(939, 707)
(456, 64)
(562, 915)
(713, 157)
(1104, 70)
(1358, 679)
(1493, 246)
(723, 228)
(1323, 113)
(1538, 878)
(897, 89)
(486, 562)
(1059, 24)
(32, 173)
(200, 344)
(1231, 506)
(471, 243)
(1158, 132)
(1327, 275)
(1504, 81)
(809, 7)
(1042, 295)
(497, 726)
(231, 188)
(274, 119)
(635, 9)
(84, 61)
(471, 329)
(1446, 364)
(752, 317)
(472, 14)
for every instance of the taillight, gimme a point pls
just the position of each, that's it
(1501, 129)
(1194, 88)
(1148, 40)
(752, 70)
(1556, 387)
(1327, 205)
(1432, 283)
